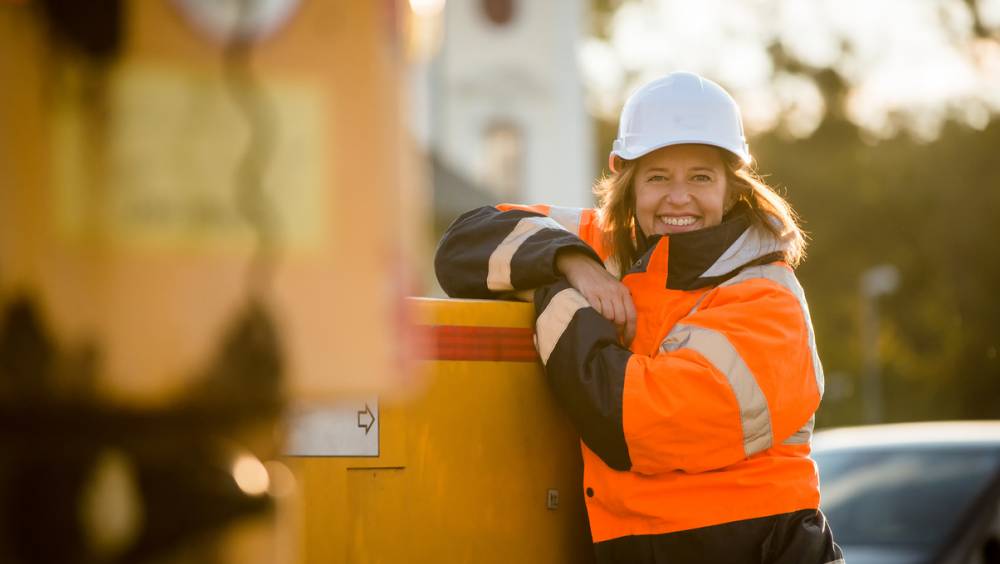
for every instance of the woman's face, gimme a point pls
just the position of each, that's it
(679, 188)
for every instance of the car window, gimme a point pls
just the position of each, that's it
(910, 498)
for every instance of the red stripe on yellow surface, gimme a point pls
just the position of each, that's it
(498, 344)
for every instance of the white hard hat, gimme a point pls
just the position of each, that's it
(681, 107)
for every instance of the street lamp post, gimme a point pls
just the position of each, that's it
(875, 282)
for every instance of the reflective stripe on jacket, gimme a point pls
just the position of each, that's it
(707, 417)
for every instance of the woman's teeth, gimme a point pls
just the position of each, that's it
(678, 221)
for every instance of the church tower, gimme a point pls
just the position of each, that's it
(507, 103)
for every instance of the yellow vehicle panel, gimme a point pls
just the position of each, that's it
(465, 469)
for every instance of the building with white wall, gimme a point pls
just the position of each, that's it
(505, 101)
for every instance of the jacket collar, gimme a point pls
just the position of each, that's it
(710, 256)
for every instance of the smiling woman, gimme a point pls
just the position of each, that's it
(674, 334)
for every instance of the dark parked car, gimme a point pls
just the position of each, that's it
(914, 492)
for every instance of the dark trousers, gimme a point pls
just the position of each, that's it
(802, 537)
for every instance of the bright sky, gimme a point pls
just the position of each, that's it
(902, 60)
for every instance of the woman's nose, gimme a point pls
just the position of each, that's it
(677, 194)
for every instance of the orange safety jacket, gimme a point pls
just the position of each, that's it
(707, 418)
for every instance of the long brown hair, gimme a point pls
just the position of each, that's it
(616, 203)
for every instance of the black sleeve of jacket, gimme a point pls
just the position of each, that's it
(462, 260)
(586, 371)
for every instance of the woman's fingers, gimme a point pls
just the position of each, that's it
(602, 302)
(625, 316)
(615, 305)
(598, 303)
(605, 293)
(630, 319)
(618, 310)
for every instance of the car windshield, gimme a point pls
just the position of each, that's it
(909, 497)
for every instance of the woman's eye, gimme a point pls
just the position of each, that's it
(701, 178)
(656, 178)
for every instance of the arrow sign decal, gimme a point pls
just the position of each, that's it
(366, 419)
(335, 428)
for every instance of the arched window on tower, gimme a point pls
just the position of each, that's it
(498, 12)
(502, 161)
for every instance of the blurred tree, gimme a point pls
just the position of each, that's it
(931, 209)
(889, 66)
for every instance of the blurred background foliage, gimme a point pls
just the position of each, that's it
(923, 199)
(930, 209)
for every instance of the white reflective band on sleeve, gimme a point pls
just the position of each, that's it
(753, 243)
(717, 349)
(569, 218)
(803, 435)
(784, 277)
(555, 319)
(498, 277)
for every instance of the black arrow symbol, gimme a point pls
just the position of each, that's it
(367, 426)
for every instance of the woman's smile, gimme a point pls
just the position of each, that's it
(669, 224)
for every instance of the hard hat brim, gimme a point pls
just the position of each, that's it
(635, 152)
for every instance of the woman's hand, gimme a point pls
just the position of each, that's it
(604, 292)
